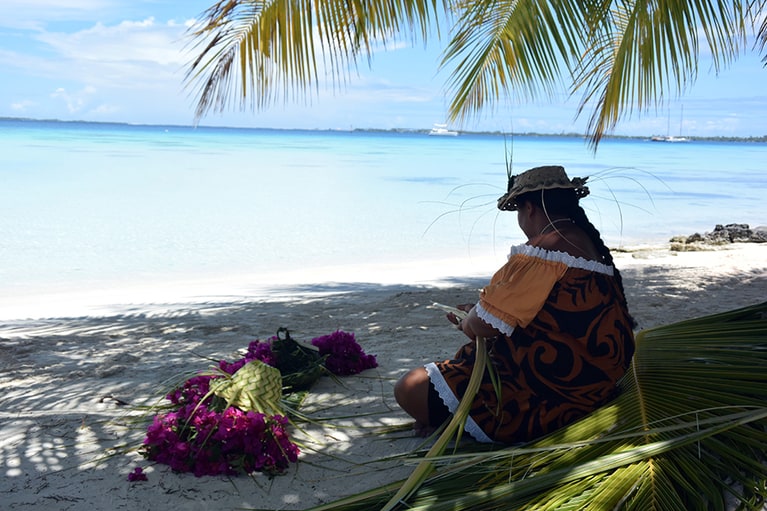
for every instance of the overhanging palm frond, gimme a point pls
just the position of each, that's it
(642, 51)
(618, 55)
(510, 48)
(687, 432)
(758, 7)
(256, 51)
(621, 56)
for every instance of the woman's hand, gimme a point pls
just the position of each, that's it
(472, 325)
(454, 319)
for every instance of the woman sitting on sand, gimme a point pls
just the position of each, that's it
(558, 331)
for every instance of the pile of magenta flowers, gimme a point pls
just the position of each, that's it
(204, 432)
(342, 354)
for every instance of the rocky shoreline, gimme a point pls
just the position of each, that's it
(721, 235)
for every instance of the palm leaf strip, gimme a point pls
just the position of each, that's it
(453, 430)
(687, 429)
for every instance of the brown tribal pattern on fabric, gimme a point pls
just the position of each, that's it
(559, 368)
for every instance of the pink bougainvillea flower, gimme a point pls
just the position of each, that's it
(205, 436)
(344, 354)
(137, 475)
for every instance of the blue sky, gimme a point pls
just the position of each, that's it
(124, 61)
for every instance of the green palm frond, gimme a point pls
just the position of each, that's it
(511, 48)
(253, 52)
(762, 35)
(686, 432)
(618, 55)
(640, 52)
(454, 429)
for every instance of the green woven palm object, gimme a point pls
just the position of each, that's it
(300, 365)
(255, 387)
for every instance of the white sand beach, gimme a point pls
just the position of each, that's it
(72, 374)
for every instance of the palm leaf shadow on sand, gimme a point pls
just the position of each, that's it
(686, 432)
(64, 379)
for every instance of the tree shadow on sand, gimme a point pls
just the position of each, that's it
(69, 385)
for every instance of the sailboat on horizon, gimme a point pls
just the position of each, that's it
(671, 138)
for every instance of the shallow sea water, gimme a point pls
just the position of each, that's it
(87, 206)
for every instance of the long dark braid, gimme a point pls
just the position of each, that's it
(560, 201)
(581, 220)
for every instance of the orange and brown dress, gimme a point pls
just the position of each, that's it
(565, 340)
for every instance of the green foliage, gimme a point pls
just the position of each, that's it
(618, 56)
(687, 431)
(255, 386)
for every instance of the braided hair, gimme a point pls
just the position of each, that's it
(564, 201)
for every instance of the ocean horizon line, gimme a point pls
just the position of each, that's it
(425, 131)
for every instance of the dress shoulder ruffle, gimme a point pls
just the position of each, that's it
(562, 257)
(518, 290)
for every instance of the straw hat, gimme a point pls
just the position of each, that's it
(540, 178)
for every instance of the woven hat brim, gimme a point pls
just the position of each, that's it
(551, 177)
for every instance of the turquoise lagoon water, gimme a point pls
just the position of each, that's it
(90, 205)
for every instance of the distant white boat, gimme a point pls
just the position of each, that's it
(441, 130)
(672, 138)
(669, 138)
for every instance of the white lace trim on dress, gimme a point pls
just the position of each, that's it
(493, 321)
(451, 401)
(561, 257)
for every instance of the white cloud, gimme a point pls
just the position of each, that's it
(375, 91)
(35, 14)
(76, 101)
(128, 41)
(127, 56)
(53, 5)
(120, 60)
(21, 106)
(105, 109)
